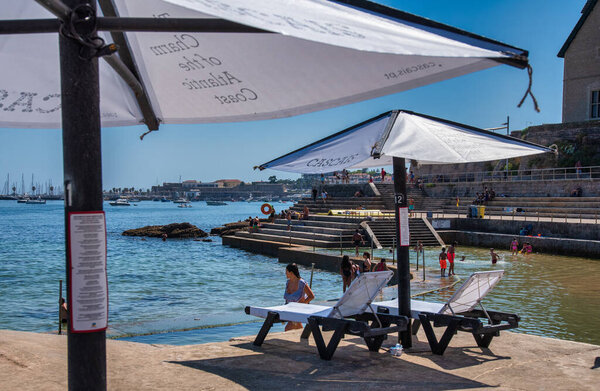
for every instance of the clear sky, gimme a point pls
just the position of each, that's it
(226, 151)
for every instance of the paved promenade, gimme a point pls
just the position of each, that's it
(31, 361)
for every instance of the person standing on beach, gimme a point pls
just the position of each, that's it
(296, 290)
(383, 175)
(451, 256)
(514, 246)
(442, 257)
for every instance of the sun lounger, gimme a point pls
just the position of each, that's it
(458, 313)
(348, 316)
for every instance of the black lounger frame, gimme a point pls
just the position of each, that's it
(470, 322)
(357, 325)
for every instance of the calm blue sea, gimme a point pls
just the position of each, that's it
(154, 286)
(176, 292)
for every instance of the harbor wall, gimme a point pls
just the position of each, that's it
(558, 246)
(554, 229)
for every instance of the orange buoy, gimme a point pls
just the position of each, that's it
(266, 209)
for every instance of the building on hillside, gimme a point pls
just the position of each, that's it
(228, 183)
(581, 79)
(223, 189)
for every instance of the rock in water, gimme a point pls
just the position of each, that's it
(175, 230)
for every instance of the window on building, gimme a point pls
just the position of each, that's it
(595, 105)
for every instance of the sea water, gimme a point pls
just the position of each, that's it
(154, 286)
(158, 289)
(555, 296)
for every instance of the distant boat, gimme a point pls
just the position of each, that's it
(184, 205)
(38, 200)
(120, 202)
(216, 203)
(164, 200)
(134, 200)
(156, 199)
(181, 201)
(23, 200)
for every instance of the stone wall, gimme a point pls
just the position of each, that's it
(571, 247)
(557, 188)
(554, 229)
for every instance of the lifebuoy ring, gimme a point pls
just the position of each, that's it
(266, 209)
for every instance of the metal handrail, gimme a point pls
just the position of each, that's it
(534, 174)
(562, 173)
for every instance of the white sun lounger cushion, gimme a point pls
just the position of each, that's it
(293, 312)
(464, 299)
(355, 300)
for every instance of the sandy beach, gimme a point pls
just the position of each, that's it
(32, 361)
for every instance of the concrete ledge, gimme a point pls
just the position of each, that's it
(256, 246)
(573, 247)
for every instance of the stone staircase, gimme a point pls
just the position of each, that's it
(317, 231)
(385, 232)
(420, 199)
(557, 207)
(319, 206)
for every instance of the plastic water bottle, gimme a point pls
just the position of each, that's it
(397, 350)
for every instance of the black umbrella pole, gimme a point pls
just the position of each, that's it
(83, 191)
(400, 201)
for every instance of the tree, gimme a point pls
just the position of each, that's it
(272, 179)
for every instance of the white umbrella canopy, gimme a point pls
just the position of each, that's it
(404, 134)
(321, 54)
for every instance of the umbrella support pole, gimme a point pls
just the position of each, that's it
(83, 191)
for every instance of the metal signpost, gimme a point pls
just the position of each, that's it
(400, 201)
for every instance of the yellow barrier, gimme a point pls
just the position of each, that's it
(358, 212)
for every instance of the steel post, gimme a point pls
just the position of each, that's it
(402, 251)
(83, 190)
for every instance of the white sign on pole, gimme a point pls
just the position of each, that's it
(87, 268)
(403, 221)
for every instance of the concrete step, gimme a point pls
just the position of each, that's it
(293, 240)
(318, 223)
(306, 235)
(339, 219)
(310, 228)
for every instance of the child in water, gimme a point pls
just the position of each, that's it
(514, 246)
(443, 257)
(494, 256)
